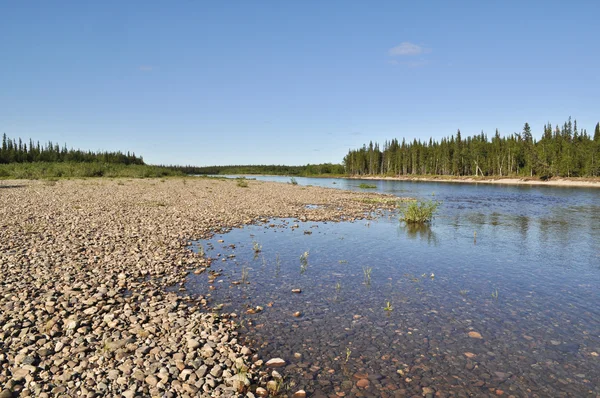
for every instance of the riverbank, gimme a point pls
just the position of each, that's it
(85, 263)
(555, 182)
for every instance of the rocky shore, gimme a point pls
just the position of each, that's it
(83, 269)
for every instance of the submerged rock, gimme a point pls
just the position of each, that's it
(275, 363)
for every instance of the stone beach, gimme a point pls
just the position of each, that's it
(84, 266)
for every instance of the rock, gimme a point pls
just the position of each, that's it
(151, 380)
(19, 373)
(90, 311)
(475, 335)
(297, 314)
(275, 363)
(261, 392)
(470, 355)
(273, 386)
(299, 394)
(216, 371)
(6, 394)
(296, 291)
(246, 351)
(362, 383)
(71, 324)
(193, 344)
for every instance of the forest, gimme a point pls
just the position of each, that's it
(562, 151)
(307, 170)
(17, 151)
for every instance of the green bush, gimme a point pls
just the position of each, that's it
(241, 182)
(419, 211)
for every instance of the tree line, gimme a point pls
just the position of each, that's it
(562, 151)
(307, 170)
(17, 151)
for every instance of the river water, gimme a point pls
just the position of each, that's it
(499, 296)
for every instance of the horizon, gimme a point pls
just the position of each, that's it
(290, 84)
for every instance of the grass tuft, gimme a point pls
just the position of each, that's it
(419, 211)
(241, 182)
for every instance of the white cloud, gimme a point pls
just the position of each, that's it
(406, 48)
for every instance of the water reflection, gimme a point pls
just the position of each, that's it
(423, 232)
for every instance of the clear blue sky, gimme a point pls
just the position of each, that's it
(282, 82)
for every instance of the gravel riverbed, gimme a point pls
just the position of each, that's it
(83, 269)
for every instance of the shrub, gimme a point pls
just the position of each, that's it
(293, 181)
(419, 211)
(241, 182)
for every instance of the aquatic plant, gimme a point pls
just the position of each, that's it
(304, 262)
(388, 307)
(367, 275)
(463, 292)
(293, 181)
(495, 294)
(338, 287)
(348, 353)
(277, 265)
(419, 211)
(245, 274)
(367, 186)
(256, 247)
(201, 250)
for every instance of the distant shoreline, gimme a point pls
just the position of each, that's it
(572, 182)
(554, 182)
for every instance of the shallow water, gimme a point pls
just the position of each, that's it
(520, 266)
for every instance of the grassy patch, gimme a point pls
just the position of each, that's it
(241, 182)
(367, 186)
(55, 170)
(419, 211)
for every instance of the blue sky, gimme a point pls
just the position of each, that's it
(281, 82)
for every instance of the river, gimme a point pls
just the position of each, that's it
(498, 296)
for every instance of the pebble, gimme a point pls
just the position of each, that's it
(275, 363)
(362, 383)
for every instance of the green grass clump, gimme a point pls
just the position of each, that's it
(293, 181)
(241, 182)
(419, 211)
(367, 186)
